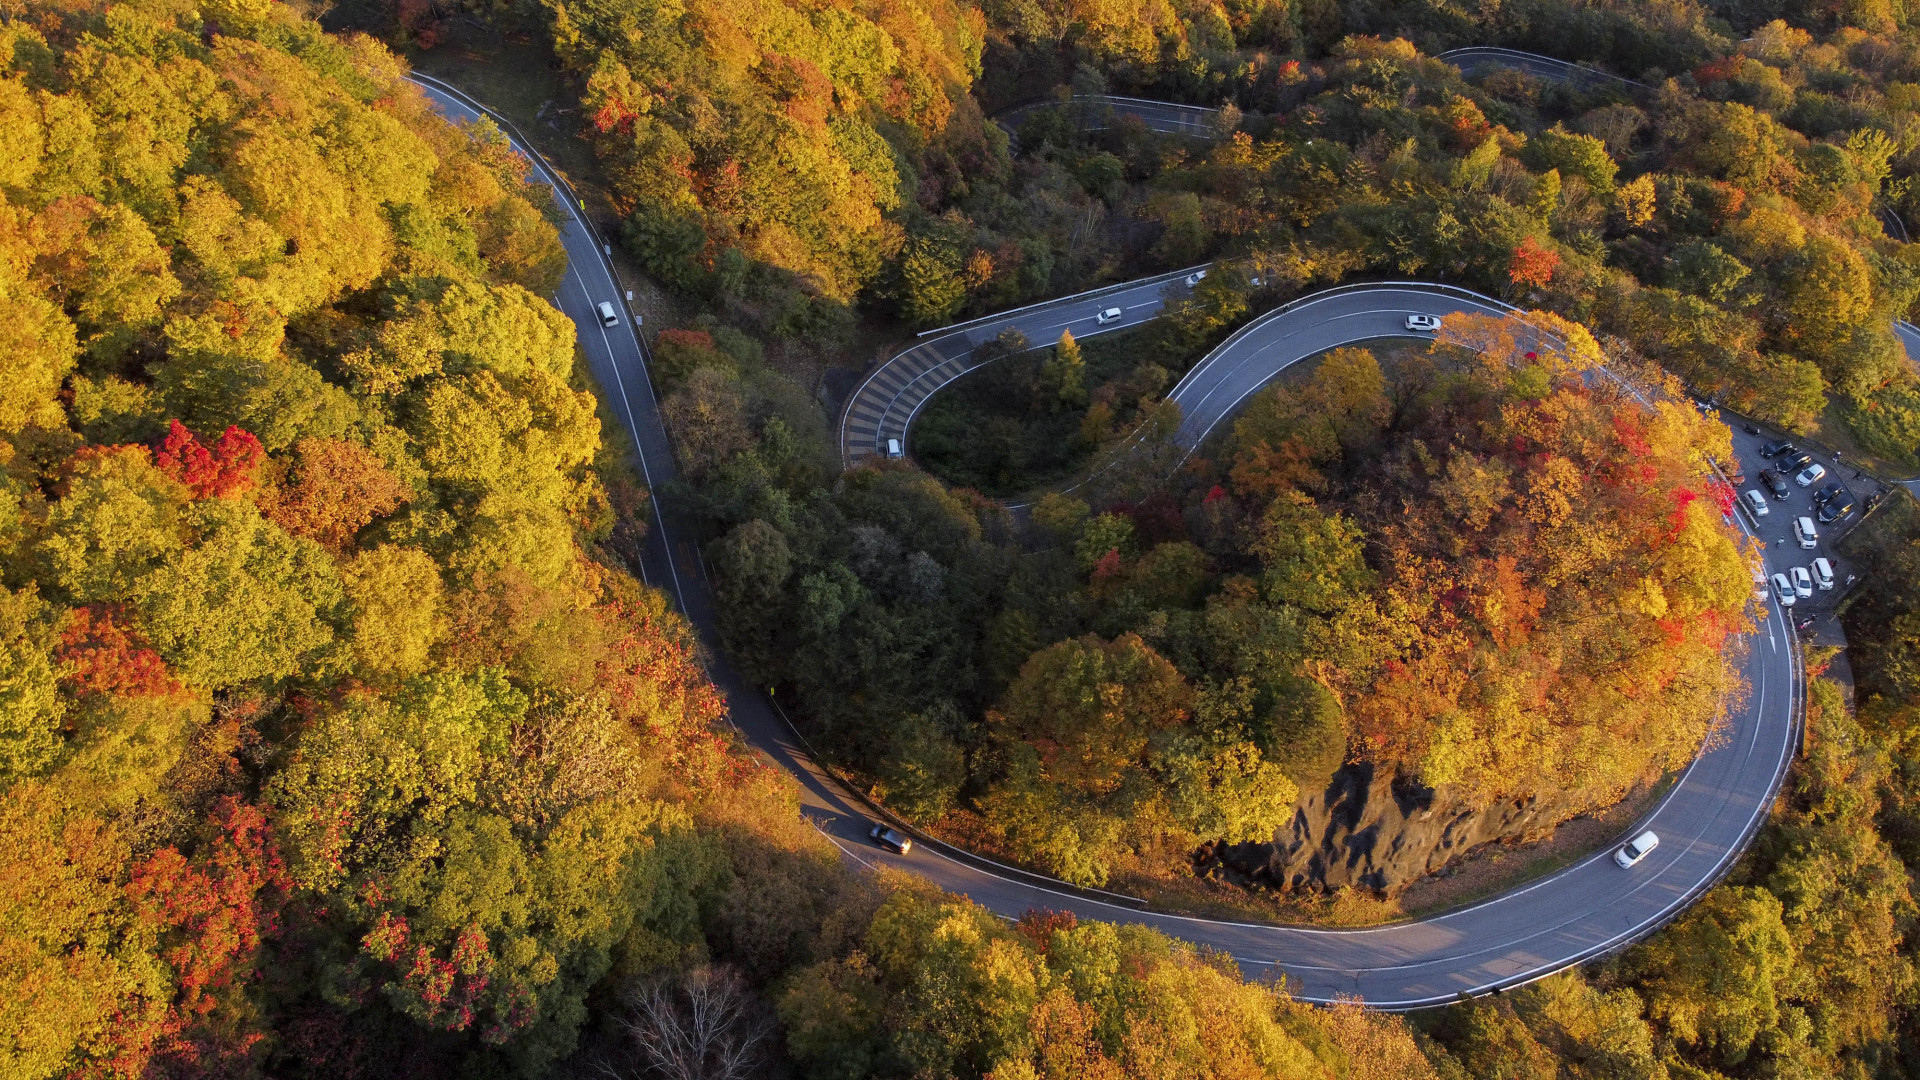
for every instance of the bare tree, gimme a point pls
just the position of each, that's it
(700, 1025)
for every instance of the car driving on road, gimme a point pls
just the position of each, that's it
(1196, 278)
(608, 316)
(893, 841)
(1636, 849)
(1112, 314)
(1424, 323)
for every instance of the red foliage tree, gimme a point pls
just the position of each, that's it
(1533, 264)
(210, 915)
(225, 469)
(100, 654)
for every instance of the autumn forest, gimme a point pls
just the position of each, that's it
(342, 734)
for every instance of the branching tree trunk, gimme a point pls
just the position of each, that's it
(701, 1025)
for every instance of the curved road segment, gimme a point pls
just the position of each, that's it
(1097, 110)
(883, 406)
(1479, 57)
(1580, 912)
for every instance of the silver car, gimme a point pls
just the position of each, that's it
(1424, 323)
(1636, 849)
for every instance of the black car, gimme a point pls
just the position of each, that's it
(891, 840)
(1836, 509)
(1775, 483)
(1793, 463)
(1827, 494)
(1775, 449)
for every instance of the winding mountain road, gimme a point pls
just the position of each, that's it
(1580, 912)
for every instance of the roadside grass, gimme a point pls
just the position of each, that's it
(1834, 432)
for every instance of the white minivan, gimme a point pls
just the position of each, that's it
(1759, 581)
(893, 448)
(1823, 573)
(1111, 315)
(1756, 502)
(608, 316)
(1636, 849)
(1804, 531)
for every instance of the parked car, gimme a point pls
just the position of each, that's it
(1775, 483)
(1196, 278)
(1836, 510)
(1805, 533)
(1636, 849)
(608, 316)
(1111, 315)
(1811, 475)
(1759, 581)
(1793, 463)
(1783, 590)
(897, 842)
(1427, 323)
(1802, 582)
(1775, 449)
(1756, 503)
(1822, 573)
(1825, 495)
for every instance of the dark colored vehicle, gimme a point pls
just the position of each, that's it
(1794, 463)
(891, 840)
(1829, 493)
(1776, 483)
(1775, 449)
(1836, 510)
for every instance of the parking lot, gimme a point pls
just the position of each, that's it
(1776, 528)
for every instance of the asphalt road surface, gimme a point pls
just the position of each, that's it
(883, 406)
(1474, 58)
(1097, 111)
(1582, 911)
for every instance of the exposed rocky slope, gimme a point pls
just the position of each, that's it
(1376, 830)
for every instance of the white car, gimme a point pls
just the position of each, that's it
(1822, 573)
(1756, 502)
(1805, 532)
(1196, 278)
(1112, 314)
(608, 316)
(1802, 582)
(1782, 590)
(1811, 475)
(1424, 323)
(1636, 849)
(1759, 581)
(893, 448)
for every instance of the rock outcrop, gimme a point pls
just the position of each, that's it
(1381, 831)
